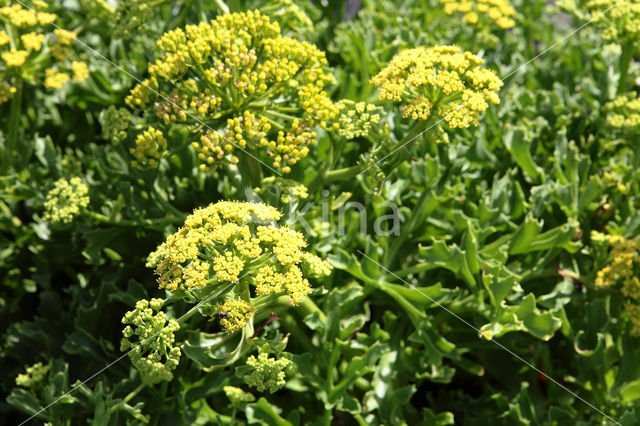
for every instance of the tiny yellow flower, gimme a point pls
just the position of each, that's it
(439, 81)
(499, 12)
(54, 79)
(80, 71)
(32, 41)
(4, 38)
(6, 92)
(64, 37)
(234, 314)
(150, 147)
(45, 18)
(19, 16)
(15, 58)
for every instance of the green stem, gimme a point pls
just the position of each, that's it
(290, 324)
(327, 417)
(625, 61)
(209, 296)
(343, 174)
(133, 393)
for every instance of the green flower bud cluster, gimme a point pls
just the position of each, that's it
(619, 19)
(266, 373)
(131, 17)
(153, 352)
(66, 200)
(623, 114)
(286, 191)
(115, 123)
(237, 396)
(33, 376)
(315, 267)
(356, 119)
(290, 14)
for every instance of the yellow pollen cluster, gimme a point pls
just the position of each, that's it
(265, 92)
(439, 81)
(475, 12)
(234, 314)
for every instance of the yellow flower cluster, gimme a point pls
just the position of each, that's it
(623, 270)
(15, 58)
(624, 254)
(476, 11)
(235, 242)
(66, 200)
(80, 71)
(258, 90)
(150, 147)
(633, 312)
(623, 113)
(54, 79)
(439, 81)
(235, 313)
(24, 33)
(619, 19)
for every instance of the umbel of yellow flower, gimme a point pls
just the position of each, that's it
(625, 257)
(475, 12)
(255, 90)
(623, 114)
(54, 79)
(150, 147)
(15, 58)
(440, 81)
(623, 271)
(619, 19)
(27, 49)
(234, 314)
(234, 242)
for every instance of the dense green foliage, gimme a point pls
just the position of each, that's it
(453, 230)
